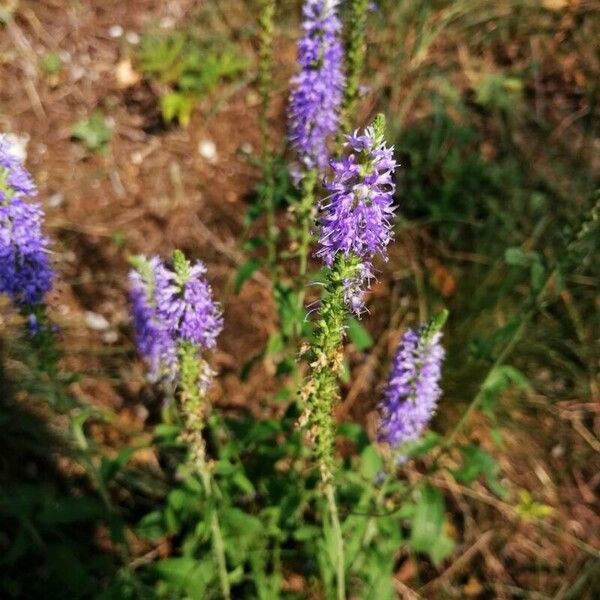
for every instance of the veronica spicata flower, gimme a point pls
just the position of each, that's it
(413, 388)
(15, 180)
(25, 271)
(314, 112)
(356, 218)
(172, 307)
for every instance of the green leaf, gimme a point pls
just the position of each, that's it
(109, 467)
(243, 483)
(152, 526)
(427, 534)
(245, 272)
(515, 257)
(345, 373)
(165, 432)
(284, 394)
(423, 445)
(538, 273)
(443, 547)
(499, 380)
(275, 345)
(355, 433)
(371, 464)
(476, 462)
(250, 364)
(177, 106)
(304, 533)
(50, 63)
(359, 336)
(187, 573)
(93, 132)
(71, 510)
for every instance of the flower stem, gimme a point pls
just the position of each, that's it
(265, 79)
(340, 565)
(215, 527)
(307, 205)
(193, 404)
(355, 57)
(321, 391)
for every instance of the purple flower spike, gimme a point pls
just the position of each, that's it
(25, 271)
(317, 90)
(168, 310)
(413, 389)
(15, 180)
(356, 218)
(153, 338)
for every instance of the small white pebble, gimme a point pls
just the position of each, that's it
(17, 144)
(95, 321)
(133, 38)
(115, 31)
(110, 337)
(141, 412)
(557, 451)
(136, 157)
(56, 200)
(247, 148)
(167, 23)
(76, 72)
(207, 150)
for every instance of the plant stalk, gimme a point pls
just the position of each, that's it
(307, 204)
(193, 402)
(340, 565)
(355, 57)
(265, 80)
(215, 527)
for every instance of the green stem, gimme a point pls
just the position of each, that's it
(265, 79)
(272, 230)
(340, 565)
(215, 527)
(265, 67)
(355, 57)
(321, 390)
(193, 404)
(306, 208)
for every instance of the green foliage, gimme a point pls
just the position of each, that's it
(427, 533)
(358, 335)
(190, 69)
(479, 462)
(50, 64)
(94, 133)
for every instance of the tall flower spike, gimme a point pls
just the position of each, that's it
(153, 337)
(15, 180)
(413, 389)
(314, 112)
(172, 308)
(356, 218)
(25, 271)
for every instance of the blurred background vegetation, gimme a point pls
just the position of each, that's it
(143, 131)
